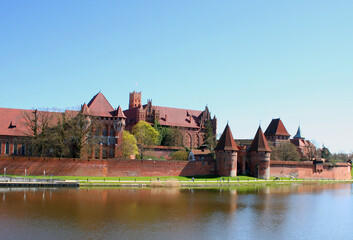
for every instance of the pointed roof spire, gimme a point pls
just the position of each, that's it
(120, 113)
(84, 109)
(260, 144)
(299, 134)
(226, 142)
(99, 106)
(276, 128)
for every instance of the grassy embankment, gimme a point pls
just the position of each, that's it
(200, 181)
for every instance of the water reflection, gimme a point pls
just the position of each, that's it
(288, 212)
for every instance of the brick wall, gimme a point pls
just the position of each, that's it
(310, 170)
(106, 168)
(113, 167)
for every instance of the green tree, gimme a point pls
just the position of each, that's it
(209, 137)
(285, 151)
(129, 145)
(180, 155)
(145, 135)
(172, 137)
(54, 134)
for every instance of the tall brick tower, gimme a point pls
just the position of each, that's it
(260, 154)
(226, 154)
(135, 99)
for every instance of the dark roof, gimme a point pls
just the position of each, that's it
(276, 128)
(226, 142)
(260, 143)
(299, 134)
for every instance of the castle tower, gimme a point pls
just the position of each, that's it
(276, 132)
(226, 154)
(135, 99)
(260, 155)
(118, 126)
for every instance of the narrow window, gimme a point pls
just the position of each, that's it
(30, 150)
(97, 153)
(15, 149)
(23, 150)
(0, 148)
(111, 153)
(7, 148)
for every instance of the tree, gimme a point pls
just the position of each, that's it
(180, 155)
(145, 135)
(38, 131)
(209, 137)
(286, 151)
(129, 145)
(55, 134)
(313, 152)
(171, 137)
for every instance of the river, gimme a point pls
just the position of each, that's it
(309, 211)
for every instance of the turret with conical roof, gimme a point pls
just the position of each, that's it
(260, 154)
(226, 154)
(298, 134)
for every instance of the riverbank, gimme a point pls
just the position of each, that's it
(195, 182)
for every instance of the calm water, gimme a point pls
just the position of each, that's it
(294, 212)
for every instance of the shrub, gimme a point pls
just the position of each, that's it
(180, 155)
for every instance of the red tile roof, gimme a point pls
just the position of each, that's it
(276, 128)
(19, 124)
(99, 106)
(175, 117)
(178, 117)
(226, 142)
(260, 144)
(120, 113)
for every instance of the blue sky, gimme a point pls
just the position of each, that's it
(249, 61)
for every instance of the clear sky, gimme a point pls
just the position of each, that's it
(249, 61)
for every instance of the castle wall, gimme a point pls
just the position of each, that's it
(104, 168)
(113, 167)
(310, 170)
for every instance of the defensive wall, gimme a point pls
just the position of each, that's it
(104, 168)
(123, 168)
(310, 170)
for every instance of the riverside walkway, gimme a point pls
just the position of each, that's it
(9, 182)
